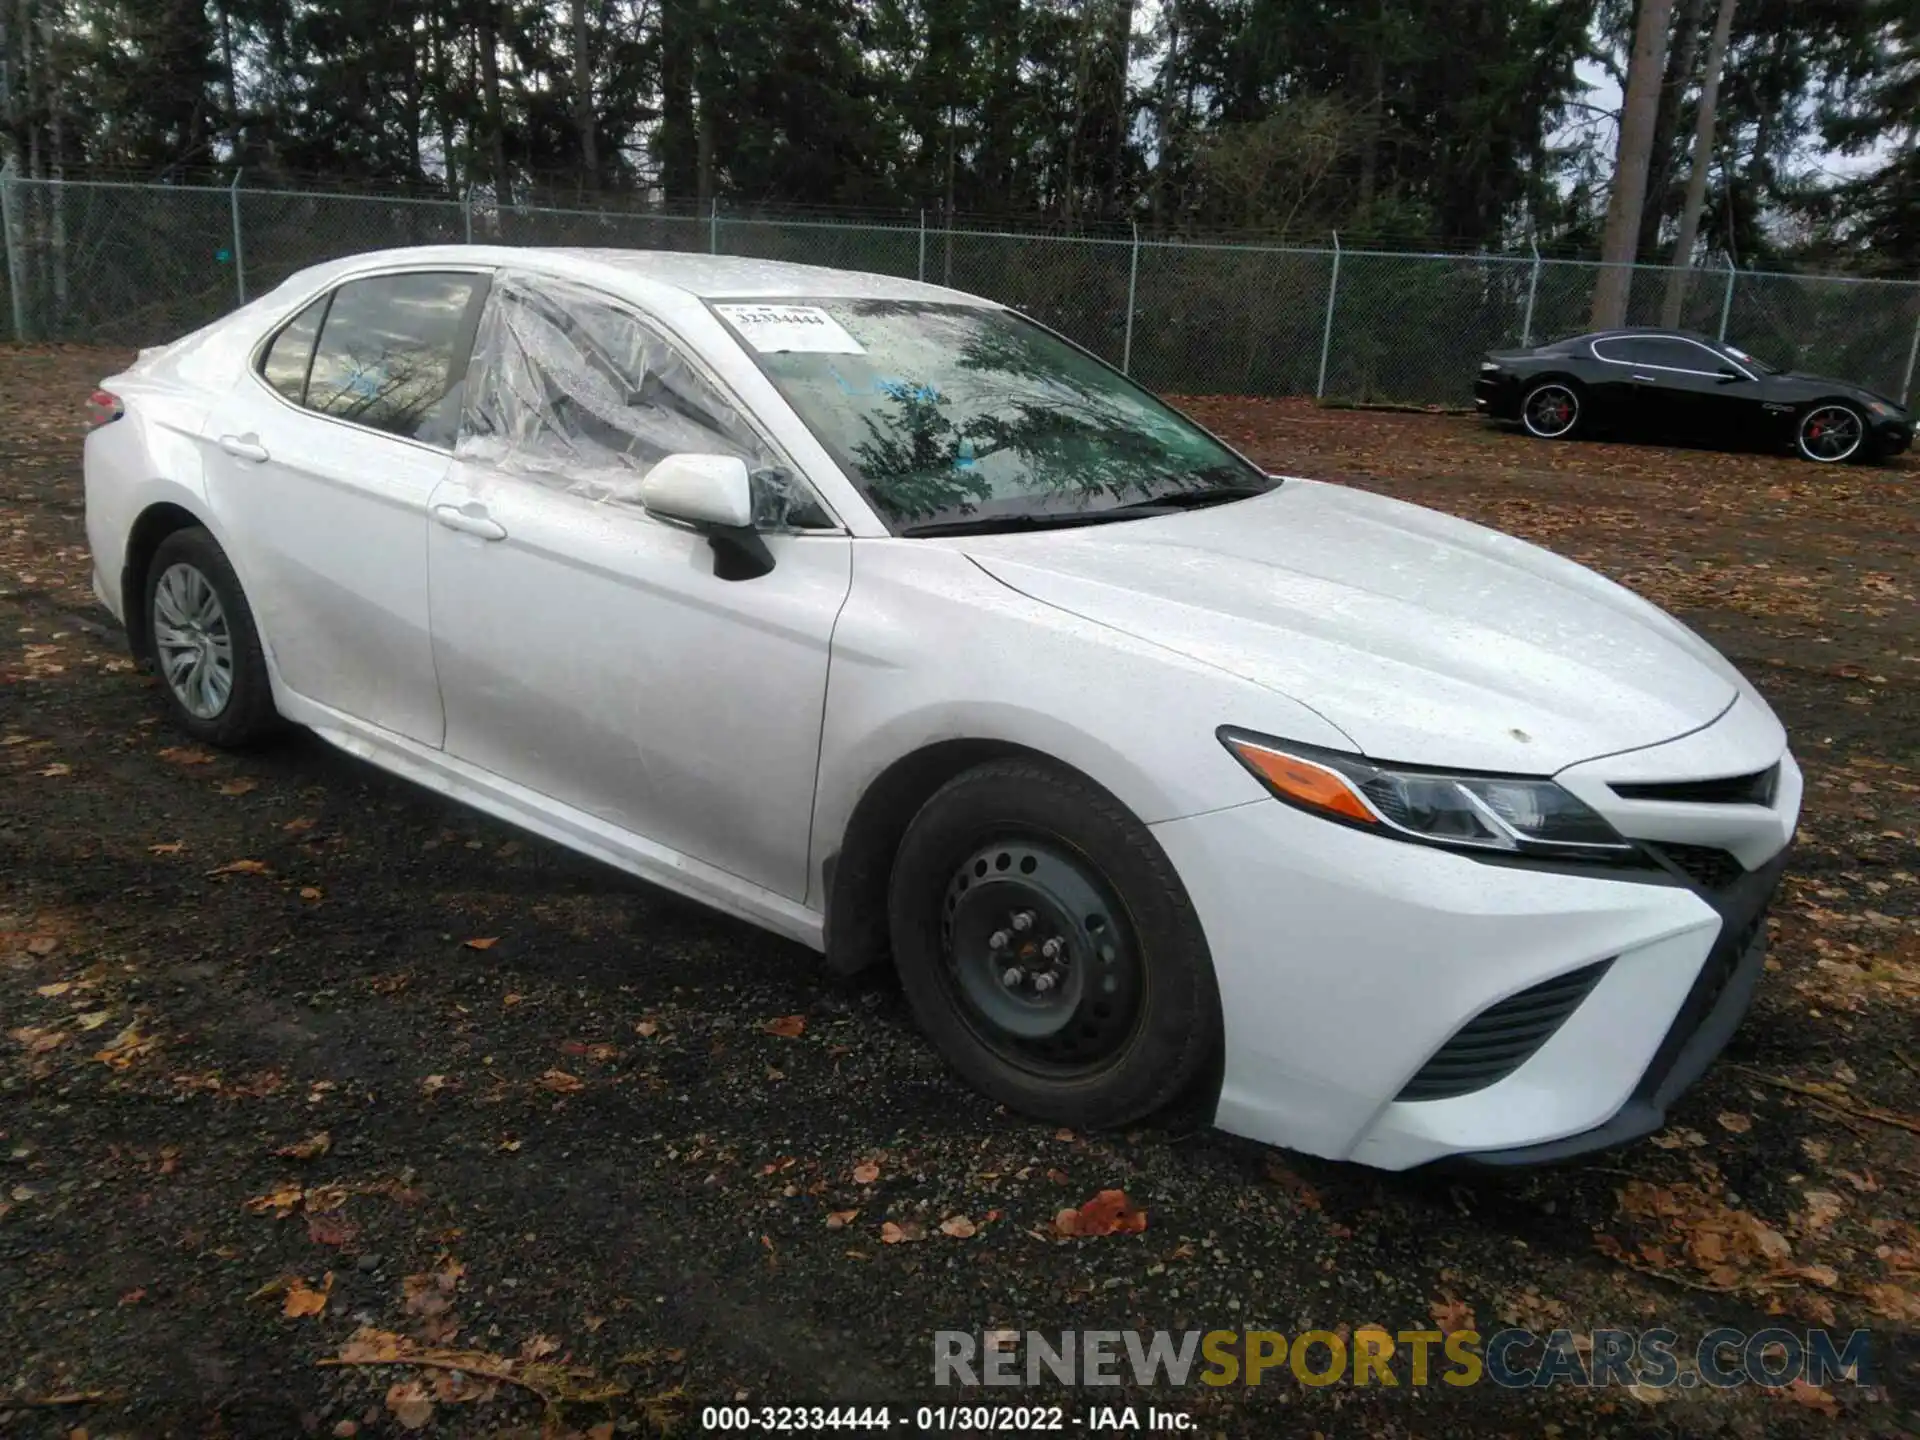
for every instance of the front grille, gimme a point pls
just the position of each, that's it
(1707, 867)
(1501, 1038)
(1755, 789)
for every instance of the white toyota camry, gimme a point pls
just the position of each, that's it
(884, 618)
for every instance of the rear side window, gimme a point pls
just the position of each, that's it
(393, 353)
(291, 353)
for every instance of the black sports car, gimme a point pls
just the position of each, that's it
(1675, 385)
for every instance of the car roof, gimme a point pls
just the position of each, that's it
(1620, 332)
(694, 275)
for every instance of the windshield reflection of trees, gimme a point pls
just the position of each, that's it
(1074, 445)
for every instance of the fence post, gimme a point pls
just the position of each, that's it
(1913, 353)
(1533, 289)
(239, 261)
(16, 267)
(713, 226)
(1326, 335)
(923, 245)
(1726, 305)
(1133, 284)
(466, 212)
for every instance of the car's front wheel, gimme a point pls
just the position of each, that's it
(1831, 433)
(1049, 949)
(1551, 410)
(201, 636)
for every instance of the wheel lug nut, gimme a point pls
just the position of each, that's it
(1052, 948)
(1043, 983)
(1011, 977)
(1023, 921)
(999, 940)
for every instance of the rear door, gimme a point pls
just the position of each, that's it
(320, 464)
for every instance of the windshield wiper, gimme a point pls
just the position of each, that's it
(1128, 510)
(992, 524)
(1195, 499)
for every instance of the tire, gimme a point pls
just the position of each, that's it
(1132, 1019)
(1838, 433)
(204, 647)
(1563, 407)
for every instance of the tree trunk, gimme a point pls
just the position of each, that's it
(489, 43)
(233, 102)
(707, 88)
(1688, 20)
(1629, 192)
(1697, 176)
(1163, 115)
(679, 145)
(583, 116)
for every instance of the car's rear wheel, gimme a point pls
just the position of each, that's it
(1551, 410)
(201, 636)
(1831, 433)
(1048, 948)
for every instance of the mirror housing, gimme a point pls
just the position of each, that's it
(1728, 374)
(699, 490)
(713, 494)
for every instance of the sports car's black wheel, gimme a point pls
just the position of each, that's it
(1551, 410)
(1049, 949)
(201, 636)
(1831, 432)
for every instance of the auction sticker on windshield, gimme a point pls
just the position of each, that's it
(777, 329)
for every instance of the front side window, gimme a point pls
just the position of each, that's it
(1666, 353)
(571, 390)
(290, 356)
(392, 354)
(959, 414)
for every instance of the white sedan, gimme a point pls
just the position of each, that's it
(888, 620)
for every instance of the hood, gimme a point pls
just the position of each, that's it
(1808, 383)
(1424, 638)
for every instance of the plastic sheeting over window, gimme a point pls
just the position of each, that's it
(569, 390)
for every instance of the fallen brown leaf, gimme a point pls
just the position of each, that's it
(243, 785)
(840, 1219)
(902, 1232)
(412, 1407)
(481, 942)
(866, 1172)
(1108, 1213)
(240, 867)
(959, 1227)
(311, 1148)
(302, 1300)
(561, 1083)
(788, 1026)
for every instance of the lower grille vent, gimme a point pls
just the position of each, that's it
(1707, 867)
(1501, 1038)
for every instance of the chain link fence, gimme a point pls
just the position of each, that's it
(136, 264)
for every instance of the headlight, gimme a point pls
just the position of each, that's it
(1488, 365)
(1884, 410)
(1514, 815)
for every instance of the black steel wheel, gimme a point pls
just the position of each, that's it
(1551, 410)
(1048, 948)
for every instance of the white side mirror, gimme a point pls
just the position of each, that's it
(700, 490)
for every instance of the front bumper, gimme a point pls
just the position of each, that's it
(1348, 962)
(1890, 437)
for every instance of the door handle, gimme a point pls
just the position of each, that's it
(1646, 379)
(471, 519)
(244, 447)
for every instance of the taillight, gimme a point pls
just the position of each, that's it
(103, 408)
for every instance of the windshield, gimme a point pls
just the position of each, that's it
(955, 416)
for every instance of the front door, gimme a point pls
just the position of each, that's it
(588, 651)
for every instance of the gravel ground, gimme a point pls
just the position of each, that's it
(294, 1052)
